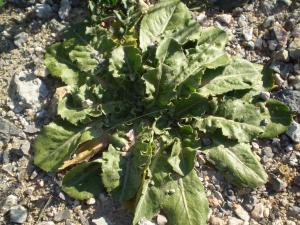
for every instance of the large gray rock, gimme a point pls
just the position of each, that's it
(294, 49)
(28, 91)
(8, 129)
(20, 39)
(64, 10)
(18, 214)
(43, 11)
(291, 98)
(294, 132)
(10, 201)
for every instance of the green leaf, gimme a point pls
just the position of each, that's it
(161, 84)
(165, 16)
(194, 105)
(110, 169)
(238, 75)
(182, 199)
(243, 132)
(278, 118)
(133, 166)
(240, 111)
(57, 142)
(83, 181)
(85, 57)
(2, 2)
(81, 104)
(126, 62)
(239, 165)
(182, 159)
(59, 64)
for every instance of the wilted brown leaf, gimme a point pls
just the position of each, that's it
(85, 152)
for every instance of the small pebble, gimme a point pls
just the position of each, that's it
(224, 19)
(258, 212)
(216, 221)
(91, 201)
(161, 219)
(101, 221)
(46, 223)
(235, 221)
(241, 213)
(20, 39)
(33, 175)
(62, 196)
(294, 132)
(278, 80)
(265, 95)
(277, 184)
(294, 212)
(248, 33)
(144, 221)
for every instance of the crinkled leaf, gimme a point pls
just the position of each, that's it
(59, 64)
(162, 82)
(182, 158)
(278, 118)
(85, 57)
(239, 111)
(181, 199)
(126, 62)
(238, 75)
(101, 40)
(83, 181)
(165, 16)
(273, 116)
(239, 165)
(110, 168)
(58, 141)
(80, 105)
(133, 166)
(194, 105)
(241, 131)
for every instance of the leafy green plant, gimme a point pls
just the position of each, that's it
(139, 106)
(2, 2)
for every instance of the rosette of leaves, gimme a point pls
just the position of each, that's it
(137, 113)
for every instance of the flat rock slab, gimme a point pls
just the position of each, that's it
(8, 129)
(291, 98)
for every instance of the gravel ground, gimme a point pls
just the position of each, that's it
(264, 32)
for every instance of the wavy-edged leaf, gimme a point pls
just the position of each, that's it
(163, 81)
(182, 199)
(238, 163)
(125, 62)
(278, 118)
(160, 84)
(133, 166)
(194, 105)
(83, 181)
(58, 141)
(237, 75)
(85, 57)
(182, 159)
(110, 168)
(81, 104)
(273, 116)
(59, 64)
(165, 16)
(241, 131)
